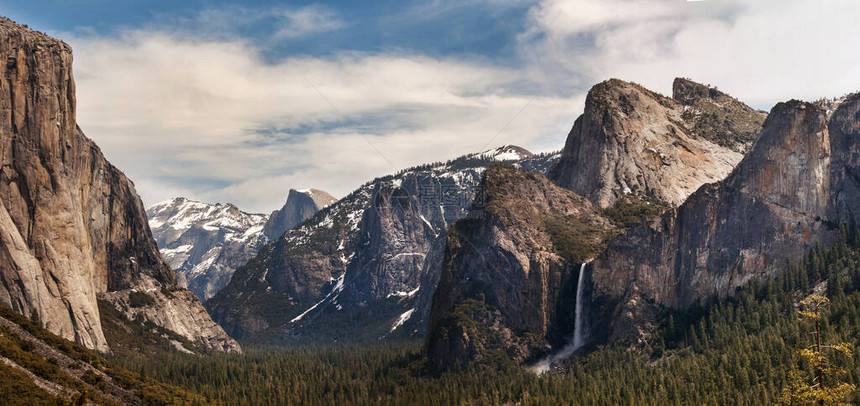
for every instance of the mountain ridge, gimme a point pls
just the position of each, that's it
(632, 155)
(368, 250)
(786, 196)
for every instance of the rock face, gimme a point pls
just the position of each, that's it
(364, 267)
(632, 141)
(509, 268)
(71, 225)
(793, 189)
(300, 206)
(204, 242)
(632, 154)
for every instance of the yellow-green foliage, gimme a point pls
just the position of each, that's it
(824, 386)
(16, 388)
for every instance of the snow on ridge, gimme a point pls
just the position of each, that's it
(402, 319)
(338, 287)
(411, 293)
(508, 156)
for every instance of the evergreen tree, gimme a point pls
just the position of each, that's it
(825, 387)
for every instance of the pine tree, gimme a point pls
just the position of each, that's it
(825, 387)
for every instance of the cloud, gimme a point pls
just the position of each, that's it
(307, 20)
(762, 52)
(217, 120)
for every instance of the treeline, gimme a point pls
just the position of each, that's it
(739, 350)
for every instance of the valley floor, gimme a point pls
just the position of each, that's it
(741, 350)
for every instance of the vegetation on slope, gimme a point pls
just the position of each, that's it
(68, 373)
(739, 350)
(631, 210)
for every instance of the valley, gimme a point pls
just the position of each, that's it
(674, 250)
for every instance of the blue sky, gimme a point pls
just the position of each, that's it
(436, 28)
(240, 101)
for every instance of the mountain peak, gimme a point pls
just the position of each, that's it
(320, 197)
(300, 206)
(205, 242)
(509, 153)
(789, 164)
(633, 141)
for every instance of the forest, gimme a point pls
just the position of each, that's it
(745, 349)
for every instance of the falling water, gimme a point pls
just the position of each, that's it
(579, 328)
(579, 325)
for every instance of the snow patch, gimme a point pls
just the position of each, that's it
(405, 294)
(402, 319)
(338, 287)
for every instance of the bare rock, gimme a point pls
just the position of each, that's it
(508, 266)
(631, 140)
(71, 225)
(789, 193)
(300, 206)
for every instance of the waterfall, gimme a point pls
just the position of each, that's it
(579, 324)
(579, 328)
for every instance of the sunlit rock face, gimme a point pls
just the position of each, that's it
(632, 141)
(72, 226)
(794, 189)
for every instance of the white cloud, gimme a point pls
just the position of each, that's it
(213, 118)
(229, 21)
(762, 52)
(308, 20)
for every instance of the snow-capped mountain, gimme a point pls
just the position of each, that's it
(367, 265)
(205, 242)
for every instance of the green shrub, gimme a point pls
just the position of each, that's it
(632, 210)
(140, 299)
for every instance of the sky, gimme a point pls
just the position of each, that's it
(225, 101)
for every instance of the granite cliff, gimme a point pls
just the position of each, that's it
(631, 155)
(511, 268)
(72, 227)
(300, 206)
(632, 142)
(793, 190)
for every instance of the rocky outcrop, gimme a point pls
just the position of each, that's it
(300, 206)
(205, 243)
(632, 154)
(71, 225)
(509, 266)
(632, 141)
(792, 190)
(844, 128)
(716, 116)
(365, 267)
